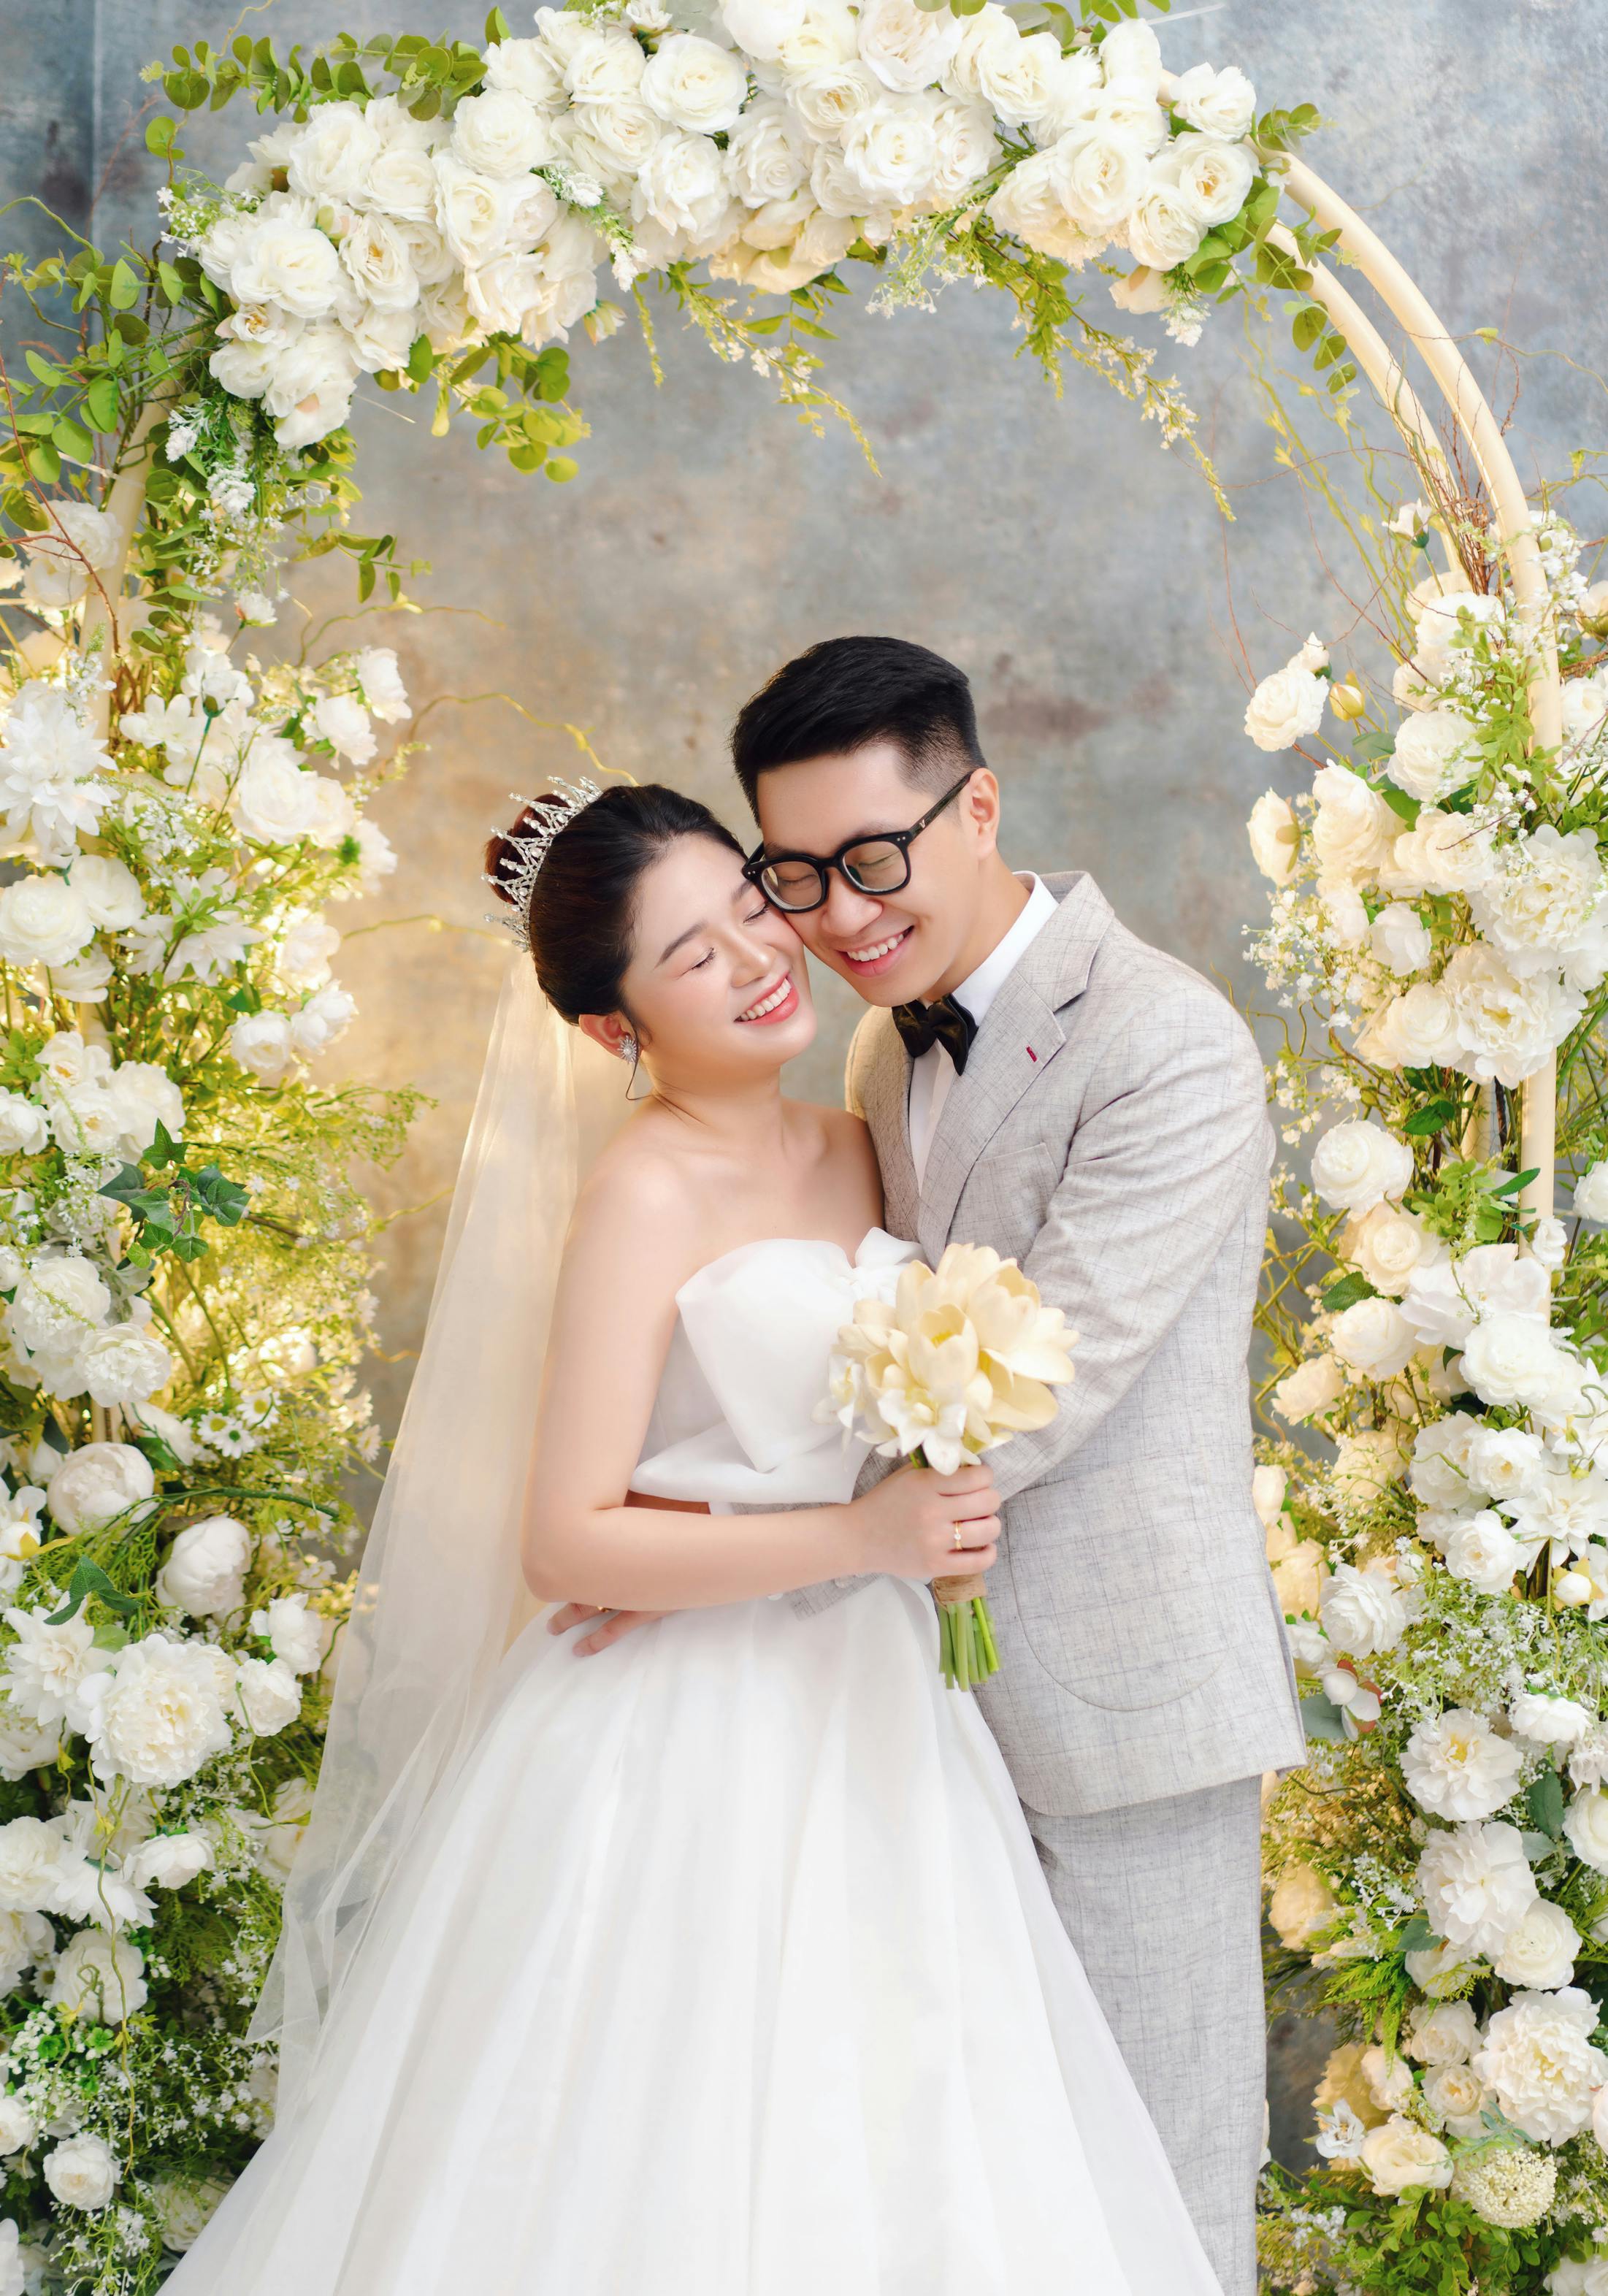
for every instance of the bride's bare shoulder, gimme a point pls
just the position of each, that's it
(641, 1198)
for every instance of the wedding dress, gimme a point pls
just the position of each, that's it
(722, 1963)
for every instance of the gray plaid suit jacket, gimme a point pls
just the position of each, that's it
(1110, 1133)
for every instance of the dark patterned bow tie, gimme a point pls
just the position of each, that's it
(947, 1023)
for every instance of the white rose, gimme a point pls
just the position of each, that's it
(767, 153)
(270, 1697)
(1549, 1721)
(101, 1974)
(24, 1128)
(1419, 1028)
(1457, 2095)
(18, 2130)
(1356, 1165)
(1585, 1825)
(907, 48)
(760, 27)
(1213, 177)
(1274, 836)
(1477, 1885)
(1029, 204)
(890, 152)
(1218, 102)
(529, 67)
(82, 2172)
(1269, 1486)
(1483, 1552)
(1300, 1907)
(1387, 1244)
(261, 1043)
(206, 1568)
(605, 67)
(1399, 938)
(1506, 1464)
(1447, 2033)
(1309, 1389)
(124, 1364)
(1510, 1358)
(343, 722)
(1374, 1338)
(401, 184)
(1441, 853)
(1362, 1611)
(271, 801)
(185, 2205)
(1434, 754)
(301, 1636)
(42, 921)
(311, 392)
(324, 1017)
(472, 210)
(25, 1745)
(1163, 230)
(695, 86)
(30, 1866)
(168, 1861)
(289, 262)
(1591, 1194)
(1539, 1951)
(1299, 1578)
(829, 99)
(110, 891)
(1457, 1767)
(1018, 78)
(1400, 2156)
(682, 187)
(965, 150)
(1098, 176)
(1539, 2060)
(1288, 706)
(329, 158)
(144, 1096)
(1354, 833)
(501, 133)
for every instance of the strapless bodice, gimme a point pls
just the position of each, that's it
(734, 1421)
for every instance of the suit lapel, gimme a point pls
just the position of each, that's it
(885, 1095)
(1018, 1038)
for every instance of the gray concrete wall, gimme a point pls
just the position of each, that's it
(1075, 571)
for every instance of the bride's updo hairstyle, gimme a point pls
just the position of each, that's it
(583, 905)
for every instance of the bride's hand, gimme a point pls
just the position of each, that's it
(920, 1524)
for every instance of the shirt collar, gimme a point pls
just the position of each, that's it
(979, 989)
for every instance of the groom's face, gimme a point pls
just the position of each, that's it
(898, 945)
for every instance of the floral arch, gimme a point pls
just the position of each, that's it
(182, 1246)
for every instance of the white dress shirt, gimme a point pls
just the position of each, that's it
(931, 1076)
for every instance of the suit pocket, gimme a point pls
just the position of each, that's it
(1113, 1572)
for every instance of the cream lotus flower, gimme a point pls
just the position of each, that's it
(962, 1356)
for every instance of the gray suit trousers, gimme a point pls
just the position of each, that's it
(1162, 1900)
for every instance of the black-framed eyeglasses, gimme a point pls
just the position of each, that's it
(795, 882)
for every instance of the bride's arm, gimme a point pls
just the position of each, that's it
(629, 1250)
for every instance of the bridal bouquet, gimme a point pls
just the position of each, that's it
(964, 1357)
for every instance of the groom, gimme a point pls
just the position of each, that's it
(1038, 1078)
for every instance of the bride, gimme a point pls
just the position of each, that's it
(721, 1962)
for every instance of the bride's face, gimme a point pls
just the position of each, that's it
(717, 981)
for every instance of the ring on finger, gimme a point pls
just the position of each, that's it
(959, 1538)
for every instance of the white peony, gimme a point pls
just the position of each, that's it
(206, 1568)
(1540, 2061)
(1441, 853)
(125, 1364)
(1542, 904)
(82, 2172)
(30, 1866)
(1290, 705)
(25, 1745)
(161, 1717)
(1511, 1359)
(1547, 1721)
(1477, 1885)
(1539, 1951)
(24, 1128)
(1359, 1164)
(96, 1482)
(18, 2130)
(1309, 1389)
(1457, 1767)
(1362, 1611)
(1354, 831)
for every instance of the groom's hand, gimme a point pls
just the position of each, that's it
(605, 1626)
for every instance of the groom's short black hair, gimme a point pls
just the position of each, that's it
(847, 692)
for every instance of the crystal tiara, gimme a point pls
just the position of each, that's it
(531, 846)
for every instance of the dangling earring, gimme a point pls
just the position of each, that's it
(630, 1050)
(627, 1049)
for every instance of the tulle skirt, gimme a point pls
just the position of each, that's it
(723, 1966)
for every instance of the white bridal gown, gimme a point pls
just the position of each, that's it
(723, 1965)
